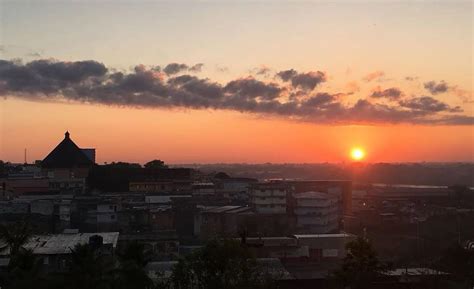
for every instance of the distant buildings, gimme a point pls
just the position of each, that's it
(316, 212)
(269, 198)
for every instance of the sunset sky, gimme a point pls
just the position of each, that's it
(228, 81)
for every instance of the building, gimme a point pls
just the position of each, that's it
(234, 189)
(55, 250)
(220, 221)
(301, 249)
(161, 180)
(340, 188)
(67, 166)
(269, 198)
(203, 189)
(316, 213)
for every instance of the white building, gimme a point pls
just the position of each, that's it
(316, 213)
(269, 198)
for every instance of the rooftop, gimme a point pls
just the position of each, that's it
(62, 243)
(66, 155)
(414, 272)
(314, 236)
(313, 195)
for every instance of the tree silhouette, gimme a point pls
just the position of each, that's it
(220, 264)
(361, 266)
(155, 164)
(15, 236)
(459, 261)
(89, 269)
(23, 270)
(131, 272)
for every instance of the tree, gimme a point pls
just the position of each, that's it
(23, 268)
(155, 164)
(220, 264)
(361, 266)
(124, 165)
(459, 261)
(131, 272)
(89, 269)
(23, 271)
(15, 236)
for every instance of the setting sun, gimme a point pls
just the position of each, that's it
(357, 154)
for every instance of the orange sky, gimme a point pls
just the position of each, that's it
(405, 43)
(184, 136)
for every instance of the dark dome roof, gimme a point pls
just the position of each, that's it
(66, 155)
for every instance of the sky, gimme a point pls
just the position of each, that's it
(228, 81)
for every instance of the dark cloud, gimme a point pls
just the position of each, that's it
(197, 86)
(144, 86)
(197, 67)
(392, 93)
(436, 88)
(263, 70)
(252, 88)
(287, 75)
(320, 99)
(306, 81)
(428, 104)
(174, 68)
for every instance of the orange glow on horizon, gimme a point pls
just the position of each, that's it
(177, 136)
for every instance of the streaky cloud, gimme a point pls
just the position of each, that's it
(293, 97)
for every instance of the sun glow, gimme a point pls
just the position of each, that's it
(357, 154)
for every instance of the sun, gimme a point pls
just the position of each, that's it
(357, 154)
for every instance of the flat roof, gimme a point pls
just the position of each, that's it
(221, 209)
(414, 272)
(63, 243)
(313, 195)
(314, 236)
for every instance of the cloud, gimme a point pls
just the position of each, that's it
(392, 93)
(464, 95)
(197, 67)
(144, 86)
(262, 70)
(305, 81)
(373, 76)
(320, 99)
(252, 88)
(174, 68)
(436, 88)
(429, 105)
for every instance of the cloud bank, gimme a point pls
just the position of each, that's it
(291, 94)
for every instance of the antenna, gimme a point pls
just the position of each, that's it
(25, 157)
